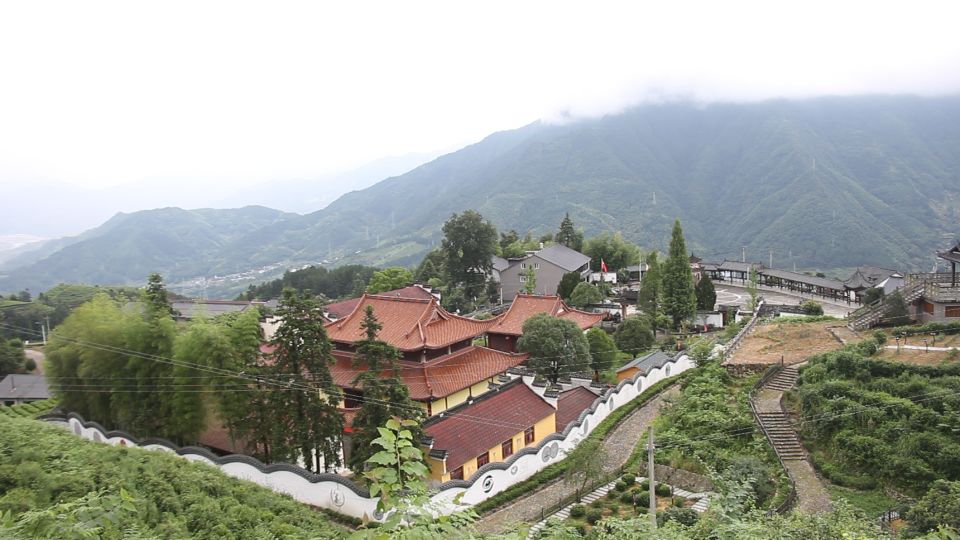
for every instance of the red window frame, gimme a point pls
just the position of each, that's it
(457, 474)
(529, 435)
(483, 459)
(506, 448)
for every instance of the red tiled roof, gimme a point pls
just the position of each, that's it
(507, 411)
(409, 324)
(439, 377)
(571, 403)
(340, 310)
(525, 306)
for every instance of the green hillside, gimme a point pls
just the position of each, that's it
(824, 183)
(58, 486)
(128, 247)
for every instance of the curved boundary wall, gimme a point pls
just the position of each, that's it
(342, 495)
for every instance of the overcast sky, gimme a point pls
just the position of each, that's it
(100, 94)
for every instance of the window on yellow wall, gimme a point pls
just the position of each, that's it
(529, 435)
(507, 448)
(483, 459)
(457, 474)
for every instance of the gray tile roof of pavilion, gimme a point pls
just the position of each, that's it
(952, 254)
(737, 266)
(648, 362)
(24, 387)
(816, 281)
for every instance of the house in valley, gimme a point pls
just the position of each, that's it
(549, 264)
(504, 330)
(19, 389)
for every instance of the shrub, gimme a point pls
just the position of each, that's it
(578, 511)
(594, 515)
(811, 308)
(643, 499)
(663, 490)
(597, 503)
(613, 494)
(939, 507)
(614, 509)
(683, 516)
(621, 485)
(629, 479)
(627, 498)
(880, 336)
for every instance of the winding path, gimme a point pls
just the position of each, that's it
(619, 445)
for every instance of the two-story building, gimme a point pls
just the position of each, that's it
(549, 264)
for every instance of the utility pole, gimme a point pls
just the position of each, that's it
(771, 258)
(743, 254)
(653, 483)
(43, 332)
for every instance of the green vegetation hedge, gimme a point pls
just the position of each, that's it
(49, 476)
(873, 421)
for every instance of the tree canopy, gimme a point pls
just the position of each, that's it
(585, 294)
(468, 246)
(557, 347)
(567, 284)
(706, 294)
(679, 299)
(603, 350)
(648, 300)
(634, 335)
(616, 252)
(388, 279)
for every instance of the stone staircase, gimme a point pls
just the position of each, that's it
(784, 380)
(782, 435)
(871, 314)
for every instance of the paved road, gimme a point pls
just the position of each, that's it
(619, 445)
(734, 294)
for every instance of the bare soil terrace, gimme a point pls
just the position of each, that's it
(793, 342)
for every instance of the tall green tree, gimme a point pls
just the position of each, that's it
(384, 394)
(431, 267)
(603, 351)
(530, 280)
(388, 279)
(205, 343)
(895, 309)
(648, 300)
(569, 236)
(752, 281)
(309, 426)
(508, 238)
(468, 245)
(246, 414)
(585, 294)
(679, 300)
(706, 293)
(557, 347)
(567, 284)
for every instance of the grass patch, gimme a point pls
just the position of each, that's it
(873, 502)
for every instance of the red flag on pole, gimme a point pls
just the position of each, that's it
(603, 266)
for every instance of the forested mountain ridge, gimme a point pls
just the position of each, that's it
(128, 247)
(824, 183)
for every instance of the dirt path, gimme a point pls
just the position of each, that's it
(619, 445)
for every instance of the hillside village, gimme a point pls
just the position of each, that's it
(531, 372)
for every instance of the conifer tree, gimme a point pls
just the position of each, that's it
(384, 395)
(309, 426)
(568, 236)
(706, 293)
(679, 299)
(530, 281)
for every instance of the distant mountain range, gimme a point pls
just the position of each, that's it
(822, 183)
